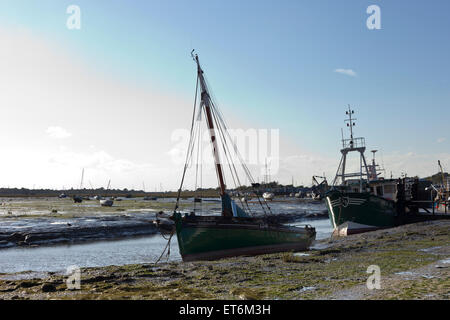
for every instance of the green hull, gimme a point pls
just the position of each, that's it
(209, 238)
(360, 211)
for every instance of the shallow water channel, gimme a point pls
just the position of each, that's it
(103, 253)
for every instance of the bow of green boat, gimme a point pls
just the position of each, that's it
(351, 213)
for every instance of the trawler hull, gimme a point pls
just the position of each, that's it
(211, 238)
(352, 213)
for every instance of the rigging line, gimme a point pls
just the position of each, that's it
(201, 170)
(194, 137)
(259, 200)
(244, 166)
(196, 163)
(167, 247)
(223, 123)
(265, 202)
(237, 152)
(223, 137)
(216, 154)
(267, 205)
(190, 151)
(219, 129)
(224, 142)
(242, 162)
(336, 179)
(220, 115)
(382, 161)
(227, 152)
(260, 203)
(228, 155)
(233, 170)
(190, 140)
(192, 148)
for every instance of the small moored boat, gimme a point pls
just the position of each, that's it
(268, 196)
(106, 202)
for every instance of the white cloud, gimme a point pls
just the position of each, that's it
(58, 132)
(97, 160)
(440, 140)
(348, 72)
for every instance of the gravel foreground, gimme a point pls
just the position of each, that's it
(414, 263)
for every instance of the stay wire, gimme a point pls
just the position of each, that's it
(189, 146)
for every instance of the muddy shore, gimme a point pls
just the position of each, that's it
(413, 260)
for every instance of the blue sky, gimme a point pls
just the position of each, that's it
(271, 63)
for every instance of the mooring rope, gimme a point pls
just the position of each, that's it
(167, 247)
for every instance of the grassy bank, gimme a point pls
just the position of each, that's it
(410, 259)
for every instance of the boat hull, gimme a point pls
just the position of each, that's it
(352, 213)
(211, 238)
(106, 203)
(268, 196)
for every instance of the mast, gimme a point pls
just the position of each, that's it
(352, 145)
(206, 103)
(82, 177)
(443, 187)
(442, 172)
(266, 179)
(107, 188)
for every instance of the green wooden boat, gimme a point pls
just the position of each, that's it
(215, 237)
(236, 231)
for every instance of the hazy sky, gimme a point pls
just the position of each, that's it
(109, 96)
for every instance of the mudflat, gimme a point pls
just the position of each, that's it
(413, 261)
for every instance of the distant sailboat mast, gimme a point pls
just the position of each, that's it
(82, 177)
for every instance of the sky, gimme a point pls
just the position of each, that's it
(110, 97)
